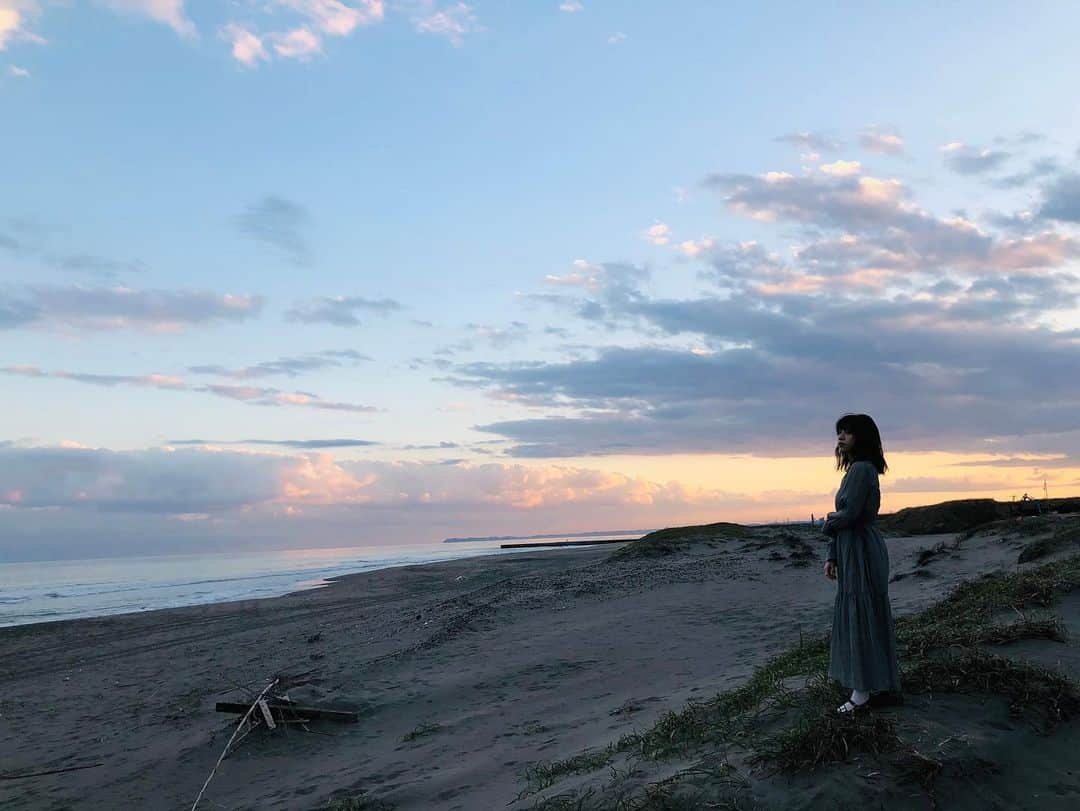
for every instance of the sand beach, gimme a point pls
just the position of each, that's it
(613, 677)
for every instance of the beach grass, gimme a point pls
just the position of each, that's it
(359, 802)
(1031, 690)
(709, 783)
(665, 542)
(421, 731)
(821, 736)
(927, 554)
(1063, 538)
(791, 730)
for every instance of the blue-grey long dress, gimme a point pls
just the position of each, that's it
(863, 647)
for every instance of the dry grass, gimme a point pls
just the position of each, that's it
(671, 541)
(940, 653)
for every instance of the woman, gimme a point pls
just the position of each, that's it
(863, 648)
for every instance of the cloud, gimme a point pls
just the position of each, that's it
(247, 46)
(256, 395)
(732, 265)
(1038, 169)
(453, 22)
(617, 38)
(154, 481)
(147, 381)
(1034, 462)
(32, 239)
(16, 72)
(15, 313)
(695, 248)
(317, 18)
(585, 274)
(942, 329)
(810, 142)
(657, 234)
(78, 502)
(942, 484)
(300, 444)
(966, 159)
(1061, 199)
(881, 141)
(300, 43)
(15, 15)
(842, 168)
(500, 337)
(835, 202)
(169, 12)
(100, 266)
(932, 378)
(206, 481)
(109, 308)
(250, 395)
(286, 367)
(280, 224)
(341, 311)
(571, 6)
(882, 231)
(337, 18)
(202, 480)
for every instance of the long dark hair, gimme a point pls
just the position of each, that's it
(867, 442)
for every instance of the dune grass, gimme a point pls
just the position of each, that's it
(421, 731)
(710, 783)
(1063, 538)
(927, 554)
(941, 652)
(1031, 690)
(665, 542)
(359, 802)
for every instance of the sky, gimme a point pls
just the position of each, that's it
(299, 273)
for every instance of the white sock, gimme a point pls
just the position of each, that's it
(859, 697)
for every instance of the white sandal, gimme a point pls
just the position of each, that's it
(849, 707)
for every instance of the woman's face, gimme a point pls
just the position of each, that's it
(845, 440)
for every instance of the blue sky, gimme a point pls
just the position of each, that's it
(544, 266)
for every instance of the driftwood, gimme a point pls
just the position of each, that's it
(50, 771)
(286, 710)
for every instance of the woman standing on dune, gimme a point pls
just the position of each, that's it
(863, 647)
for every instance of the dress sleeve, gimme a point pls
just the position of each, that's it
(860, 483)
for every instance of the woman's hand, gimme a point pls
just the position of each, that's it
(830, 569)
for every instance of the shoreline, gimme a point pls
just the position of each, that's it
(301, 579)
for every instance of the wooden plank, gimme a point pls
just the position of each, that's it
(268, 716)
(50, 771)
(282, 707)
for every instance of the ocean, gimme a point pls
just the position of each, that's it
(47, 591)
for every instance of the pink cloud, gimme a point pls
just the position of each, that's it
(15, 15)
(247, 47)
(300, 43)
(169, 12)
